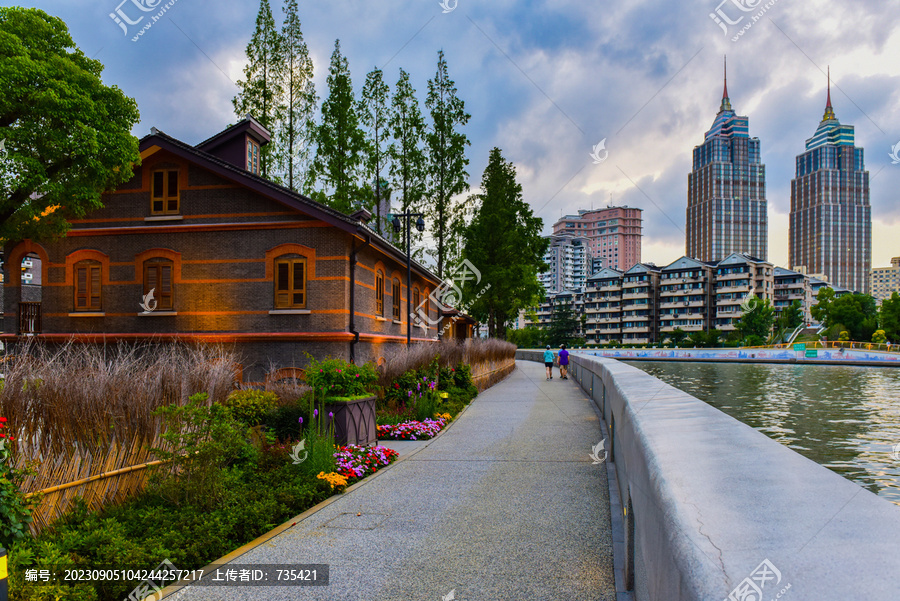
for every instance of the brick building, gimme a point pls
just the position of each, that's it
(229, 257)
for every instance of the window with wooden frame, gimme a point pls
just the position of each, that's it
(252, 157)
(158, 278)
(290, 283)
(164, 197)
(379, 293)
(416, 299)
(395, 298)
(87, 286)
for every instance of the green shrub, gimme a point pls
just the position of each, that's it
(284, 422)
(338, 378)
(15, 509)
(202, 440)
(251, 406)
(143, 532)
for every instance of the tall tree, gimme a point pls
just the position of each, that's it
(563, 326)
(375, 112)
(889, 317)
(757, 320)
(407, 151)
(446, 152)
(791, 317)
(296, 128)
(340, 141)
(66, 137)
(855, 313)
(261, 93)
(504, 243)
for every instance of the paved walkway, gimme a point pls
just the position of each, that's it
(505, 504)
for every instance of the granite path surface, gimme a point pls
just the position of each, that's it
(505, 504)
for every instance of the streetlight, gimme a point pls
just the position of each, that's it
(420, 225)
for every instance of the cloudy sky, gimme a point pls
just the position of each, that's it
(547, 80)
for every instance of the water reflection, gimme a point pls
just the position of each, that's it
(845, 418)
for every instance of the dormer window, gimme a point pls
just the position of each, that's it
(252, 157)
(164, 199)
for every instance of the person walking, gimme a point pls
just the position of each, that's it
(548, 362)
(563, 363)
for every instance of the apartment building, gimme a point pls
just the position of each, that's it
(686, 298)
(603, 307)
(738, 278)
(614, 234)
(640, 317)
(568, 260)
(792, 286)
(884, 281)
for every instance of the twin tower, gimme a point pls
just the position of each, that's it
(831, 220)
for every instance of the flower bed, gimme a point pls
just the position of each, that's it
(355, 462)
(413, 430)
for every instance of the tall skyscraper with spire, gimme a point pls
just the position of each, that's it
(831, 219)
(727, 210)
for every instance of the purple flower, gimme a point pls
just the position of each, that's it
(330, 414)
(409, 393)
(315, 413)
(301, 421)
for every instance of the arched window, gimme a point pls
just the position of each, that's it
(87, 286)
(379, 293)
(158, 278)
(290, 282)
(395, 297)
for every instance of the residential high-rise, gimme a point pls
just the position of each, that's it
(727, 209)
(831, 219)
(568, 260)
(885, 281)
(614, 234)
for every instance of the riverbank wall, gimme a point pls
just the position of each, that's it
(714, 509)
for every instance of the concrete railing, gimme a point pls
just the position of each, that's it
(715, 509)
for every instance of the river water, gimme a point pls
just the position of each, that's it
(845, 418)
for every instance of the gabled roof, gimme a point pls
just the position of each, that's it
(643, 268)
(781, 272)
(685, 262)
(607, 273)
(247, 124)
(158, 140)
(739, 258)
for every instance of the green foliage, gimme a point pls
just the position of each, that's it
(756, 321)
(446, 162)
(284, 422)
(889, 317)
(879, 337)
(202, 441)
(563, 324)
(504, 242)
(374, 113)
(677, 336)
(338, 378)
(790, 318)
(68, 136)
(261, 92)
(857, 313)
(844, 336)
(341, 141)
(15, 509)
(527, 337)
(251, 406)
(146, 530)
(407, 164)
(296, 130)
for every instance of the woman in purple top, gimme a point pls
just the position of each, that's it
(563, 362)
